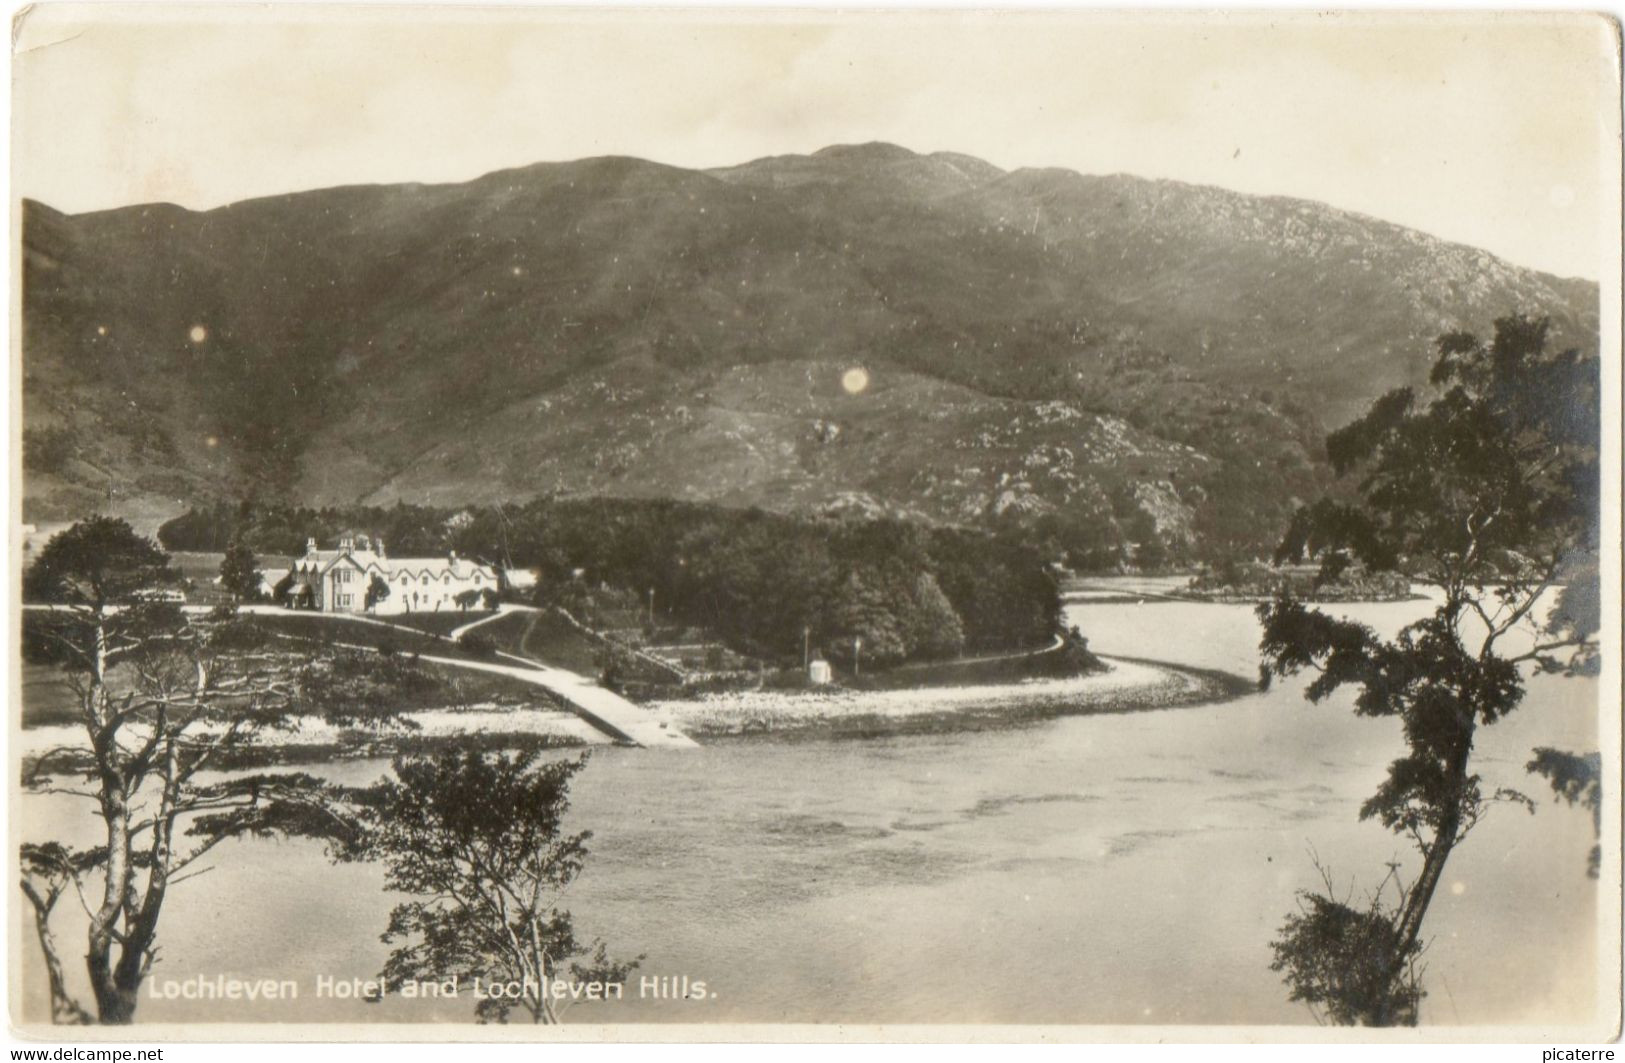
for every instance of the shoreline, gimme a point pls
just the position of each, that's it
(314, 740)
(1128, 685)
(1116, 597)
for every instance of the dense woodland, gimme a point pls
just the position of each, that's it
(762, 581)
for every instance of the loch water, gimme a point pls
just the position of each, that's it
(1106, 869)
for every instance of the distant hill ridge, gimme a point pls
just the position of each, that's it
(1117, 356)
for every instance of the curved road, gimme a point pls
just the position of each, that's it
(604, 709)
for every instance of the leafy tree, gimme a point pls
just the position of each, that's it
(478, 842)
(1343, 958)
(757, 579)
(1576, 779)
(240, 572)
(932, 627)
(1151, 554)
(95, 564)
(377, 591)
(862, 609)
(617, 665)
(466, 600)
(1488, 493)
(162, 700)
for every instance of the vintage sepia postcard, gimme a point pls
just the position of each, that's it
(741, 524)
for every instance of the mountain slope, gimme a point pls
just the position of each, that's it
(614, 325)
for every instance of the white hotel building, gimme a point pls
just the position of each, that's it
(336, 581)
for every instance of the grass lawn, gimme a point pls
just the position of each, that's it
(200, 570)
(327, 628)
(545, 637)
(441, 623)
(506, 631)
(48, 699)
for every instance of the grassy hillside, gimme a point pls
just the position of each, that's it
(1039, 342)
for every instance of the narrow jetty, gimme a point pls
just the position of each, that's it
(604, 709)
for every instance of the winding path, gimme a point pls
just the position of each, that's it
(604, 709)
(501, 610)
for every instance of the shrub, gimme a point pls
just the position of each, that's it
(353, 687)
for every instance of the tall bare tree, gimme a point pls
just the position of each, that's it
(162, 700)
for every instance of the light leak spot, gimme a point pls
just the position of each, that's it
(854, 380)
(198, 334)
(1458, 888)
(213, 441)
(101, 330)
